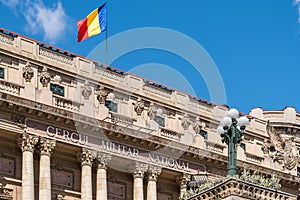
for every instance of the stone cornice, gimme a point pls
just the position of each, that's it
(241, 189)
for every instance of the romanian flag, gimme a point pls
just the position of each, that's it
(93, 24)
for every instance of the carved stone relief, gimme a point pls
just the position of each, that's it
(45, 77)
(280, 150)
(86, 91)
(28, 72)
(139, 107)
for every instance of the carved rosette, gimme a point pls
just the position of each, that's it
(86, 157)
(197, 126)
(46, 146)
(185, 123)
(139, 170)
(102, 95)
(102, 160)
(27, 142)
(152, 111)
(153, 173)
(86, 91)
(139, 107)
(28, 72)
(45, 77)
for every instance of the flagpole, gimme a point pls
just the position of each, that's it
(106, 46)
(106, 43)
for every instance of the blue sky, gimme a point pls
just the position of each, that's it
(254, 44)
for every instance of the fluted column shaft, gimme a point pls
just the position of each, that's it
(46, 147)
(151, 186)
(27, 144)
(86, 175)
(138, 174)
(102, 161)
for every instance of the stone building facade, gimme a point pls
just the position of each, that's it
(72, 128)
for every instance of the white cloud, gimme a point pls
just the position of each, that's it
(50, 21)
(297, 3)
(10, 3)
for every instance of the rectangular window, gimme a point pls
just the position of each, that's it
(2, 73)
(160, 120)
(243, 146)
(203, 133)
(57, 89)
(298, 171)
(112, 106)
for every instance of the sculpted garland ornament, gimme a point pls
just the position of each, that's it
(280, 150)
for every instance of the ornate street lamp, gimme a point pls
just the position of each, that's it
(231, 131)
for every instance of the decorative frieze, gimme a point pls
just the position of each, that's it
(170, 134)
(45, 77)
(28, 72)
(55, 56)
(6, 39)
(27, 142)
(9, 87)
(64, 103)
(157, 91)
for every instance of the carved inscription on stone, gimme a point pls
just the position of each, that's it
(62, 178)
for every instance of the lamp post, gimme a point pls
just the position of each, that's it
(231, 131)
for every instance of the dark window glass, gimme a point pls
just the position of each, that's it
(160, 120)
(298, 171)
(203, 133)
(112, 106)
(243, 146)
(1, 72)
(57, 89)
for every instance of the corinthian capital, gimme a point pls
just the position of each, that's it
(86, 157)
(153, 172)
(46, 146)
(27, 142)
(138, 170)
(102, 160)
(183, 180)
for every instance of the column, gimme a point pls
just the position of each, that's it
(86, 174)
(46, 147)
(153, 173)
(27, 143)
(138, 174)
(102, 161)
(182, 182)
